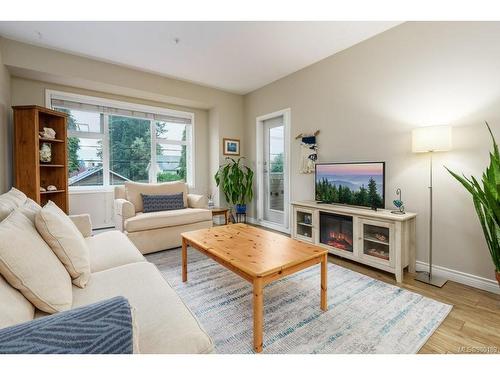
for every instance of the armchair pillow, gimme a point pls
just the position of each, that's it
(105, 327)
(30, 266)
(162, 202)
(67, 242)
(134, 190)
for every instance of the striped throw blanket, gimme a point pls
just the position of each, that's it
(101, 328)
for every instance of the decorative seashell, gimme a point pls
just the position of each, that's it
(48, 133)
(42, 189)
(51, 188)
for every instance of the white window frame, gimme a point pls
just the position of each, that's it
(190, 138)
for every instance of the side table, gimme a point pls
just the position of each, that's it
(221, 211)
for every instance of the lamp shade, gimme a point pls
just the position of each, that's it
(431, 139)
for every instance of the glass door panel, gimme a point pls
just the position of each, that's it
(376, 241)
(274, 147)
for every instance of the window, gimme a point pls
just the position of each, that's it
(111, 142)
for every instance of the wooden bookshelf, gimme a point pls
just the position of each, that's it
(29, 173)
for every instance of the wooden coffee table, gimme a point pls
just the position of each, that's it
(258, 256)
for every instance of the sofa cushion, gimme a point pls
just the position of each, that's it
(10, 201)
(135, 189)
(14, 308)
(165, 324)
(66, 241)
(163, 219)
(162, 202)
(30, 266)
(111, 249)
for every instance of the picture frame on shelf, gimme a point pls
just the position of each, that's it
(231, 147)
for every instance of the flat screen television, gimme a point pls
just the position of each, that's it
(357, 184)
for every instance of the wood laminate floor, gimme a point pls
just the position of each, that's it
(473, 325)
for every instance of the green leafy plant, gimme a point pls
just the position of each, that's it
(486, 200)
(236, 181)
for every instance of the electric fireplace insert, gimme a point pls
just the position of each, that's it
(336, 231)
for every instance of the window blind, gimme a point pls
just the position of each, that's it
(68, 104)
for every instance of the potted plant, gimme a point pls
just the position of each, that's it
(486, 200)
(236, 181)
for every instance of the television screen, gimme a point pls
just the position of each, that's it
(358, 184)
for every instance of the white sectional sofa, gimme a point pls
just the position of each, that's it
(164, 323)
(155, 231)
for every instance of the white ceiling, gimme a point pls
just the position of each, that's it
(234, 56)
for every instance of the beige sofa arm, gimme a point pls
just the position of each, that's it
(123, 211)
(83, 223)
(197, 201)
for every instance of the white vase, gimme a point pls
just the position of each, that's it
(46, 153)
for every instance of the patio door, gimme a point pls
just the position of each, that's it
(273, 172)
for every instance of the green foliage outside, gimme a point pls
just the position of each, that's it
(486, 199)
(327, 192)
(73, 143)
(277, 164)
(129, 149)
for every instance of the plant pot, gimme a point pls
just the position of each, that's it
(497, 274)
(241, 208)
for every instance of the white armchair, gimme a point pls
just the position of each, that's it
(155, 231)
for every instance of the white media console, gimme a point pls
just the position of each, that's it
(379, 238)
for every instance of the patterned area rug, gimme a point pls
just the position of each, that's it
(364, 315)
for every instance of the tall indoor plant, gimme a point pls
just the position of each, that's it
(236, 181)
(486, 200)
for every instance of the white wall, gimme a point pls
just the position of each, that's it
(366, 99)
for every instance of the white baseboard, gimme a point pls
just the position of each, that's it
(251, 220)
(462, 277)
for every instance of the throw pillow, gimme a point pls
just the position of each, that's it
(133, 191)
(15, 308)
(164, 202)
(29, 265)
(66, 241)
(30, 208)
(105, 327)
(10, 201)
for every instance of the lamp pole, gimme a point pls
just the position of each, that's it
(427, 277)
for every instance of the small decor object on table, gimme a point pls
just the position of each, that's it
(211, 203)
(48, 133)
(231, 146)
(399, 204)
(46, 152)
(309, 152)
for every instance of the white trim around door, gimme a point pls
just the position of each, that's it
(259, 125)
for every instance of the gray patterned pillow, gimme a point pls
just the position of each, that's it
(162, 202)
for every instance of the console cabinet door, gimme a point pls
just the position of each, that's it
(303, 224)
(376, 241)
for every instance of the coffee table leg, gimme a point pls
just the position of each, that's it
(184, 260)
(258, 314)
(324, 282)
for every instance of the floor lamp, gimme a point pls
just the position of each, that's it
(431, 139)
